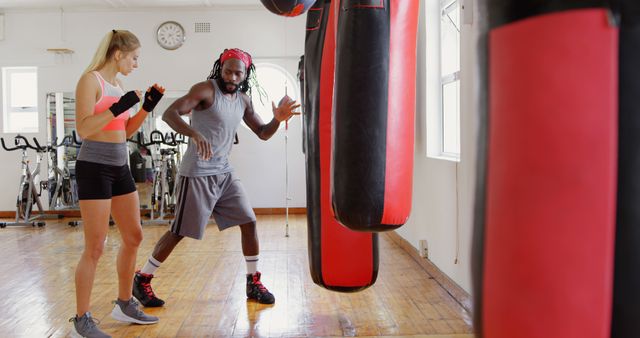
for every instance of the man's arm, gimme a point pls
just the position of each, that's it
(283, 112)
(200, 95)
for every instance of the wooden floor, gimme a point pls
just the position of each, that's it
(203, 285)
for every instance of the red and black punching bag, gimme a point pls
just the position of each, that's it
(287, 7)
(545, 235)
(626, 292)
(375, 96)
(339, 259)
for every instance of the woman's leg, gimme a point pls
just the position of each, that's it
(125, 210)
(95, 223)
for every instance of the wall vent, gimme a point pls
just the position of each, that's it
(203, 27)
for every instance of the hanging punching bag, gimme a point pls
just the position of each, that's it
(550, 189)
(374, 113)
(626, 292)
(340, 259)
(303, 101)
(287, 7)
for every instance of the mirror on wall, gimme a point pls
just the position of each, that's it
(154, 155)
(61, 158)
(158, 150)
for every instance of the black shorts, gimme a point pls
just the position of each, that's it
(98, 181)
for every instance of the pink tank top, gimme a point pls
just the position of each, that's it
(109, 95)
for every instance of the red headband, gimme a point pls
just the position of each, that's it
(236, 53)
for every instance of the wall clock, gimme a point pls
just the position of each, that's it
(170, 35)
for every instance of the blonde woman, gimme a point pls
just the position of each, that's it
(104, 120)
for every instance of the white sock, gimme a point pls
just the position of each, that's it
(252, 264)
(151, 266)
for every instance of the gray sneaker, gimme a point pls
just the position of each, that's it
(87, 327)
(129, 312)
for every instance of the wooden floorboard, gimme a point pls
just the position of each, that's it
(203, 285)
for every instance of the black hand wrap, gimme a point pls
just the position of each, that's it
(126, 101)
(151, 99)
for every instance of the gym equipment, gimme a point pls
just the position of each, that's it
(545, 221)
(626, 296)
(27, 193)
(287, 7)
(339, 259)
(374, 108)
(303, 100)
(62, 188)
(164, 176)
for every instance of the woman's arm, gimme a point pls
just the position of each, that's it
(134, 123)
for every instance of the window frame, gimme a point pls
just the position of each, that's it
(446, 7)
(8, 110)
(292, 83)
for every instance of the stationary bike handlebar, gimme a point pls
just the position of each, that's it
(179, 138)
(67, 141)
(174, 139)
(40, 148)
(170, 139)
(140, 137)
(75, 138)
(5, 146)
(18, 139)
(156, 137)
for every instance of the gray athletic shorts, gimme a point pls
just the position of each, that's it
(200, 197)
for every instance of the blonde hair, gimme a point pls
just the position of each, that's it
(115, 40)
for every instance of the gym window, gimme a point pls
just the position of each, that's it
(20, 99)
(443, 78)
(450, 76)
(274, 81)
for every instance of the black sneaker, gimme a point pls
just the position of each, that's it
(143, 292)
(257, 291)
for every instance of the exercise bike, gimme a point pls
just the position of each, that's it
(27, 192)
(164, 174)
(59, 183)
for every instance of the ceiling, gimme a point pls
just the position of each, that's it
(118, 4)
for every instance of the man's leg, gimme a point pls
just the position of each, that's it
(234, 209)
(251, 248)
(162, 250)
(142, 281)
(250, 245)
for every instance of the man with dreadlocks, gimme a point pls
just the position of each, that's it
(207, 184)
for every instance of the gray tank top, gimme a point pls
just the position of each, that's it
(218, 124)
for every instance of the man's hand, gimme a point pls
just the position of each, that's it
(285, 109)
(202, 145)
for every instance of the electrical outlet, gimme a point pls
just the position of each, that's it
(423, 250)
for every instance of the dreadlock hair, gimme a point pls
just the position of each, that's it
(244, 86)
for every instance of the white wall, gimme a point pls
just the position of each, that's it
(259, 164)
(442, 211)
